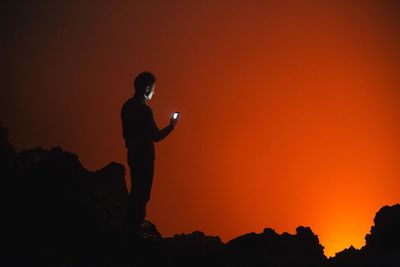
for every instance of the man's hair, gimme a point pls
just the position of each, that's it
(143, 80)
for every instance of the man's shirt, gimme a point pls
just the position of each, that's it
(139, 128)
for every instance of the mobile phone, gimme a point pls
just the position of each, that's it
(175, 115)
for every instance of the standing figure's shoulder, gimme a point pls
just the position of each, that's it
(124, 106)
(131, 104)
(127, 103)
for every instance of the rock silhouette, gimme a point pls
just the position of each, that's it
(58, 213)
(382, 243)
(272, 249)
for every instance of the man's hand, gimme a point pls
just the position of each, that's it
(173, 122)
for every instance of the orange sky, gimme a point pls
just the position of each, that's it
(289, 109)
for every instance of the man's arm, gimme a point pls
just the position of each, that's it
(157, 134)
(161, 134)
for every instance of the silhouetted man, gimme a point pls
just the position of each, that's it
(140, 132)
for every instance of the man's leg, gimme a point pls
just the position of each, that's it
(141, 189)
(142, 171)
(132, 220)
(148, 183)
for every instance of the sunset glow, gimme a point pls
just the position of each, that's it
(289, 110)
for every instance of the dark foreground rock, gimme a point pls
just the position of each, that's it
(57, 213)
(382, 243)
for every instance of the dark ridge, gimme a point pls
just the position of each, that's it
(57, 213)
(382, 243)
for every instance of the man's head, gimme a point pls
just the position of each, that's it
(144, 84)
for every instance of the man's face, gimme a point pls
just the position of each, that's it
(150, 91)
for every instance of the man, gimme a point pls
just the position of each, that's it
(140, 132)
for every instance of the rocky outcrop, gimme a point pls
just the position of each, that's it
(57, 213)
(382, 243)
(271, 249)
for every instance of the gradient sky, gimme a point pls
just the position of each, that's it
(290, 110)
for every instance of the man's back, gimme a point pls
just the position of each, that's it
(137, 126)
